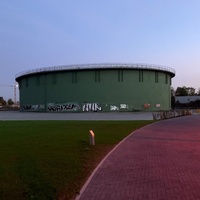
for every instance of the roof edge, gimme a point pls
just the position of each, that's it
(97, 66)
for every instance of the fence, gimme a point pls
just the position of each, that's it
(170, 114)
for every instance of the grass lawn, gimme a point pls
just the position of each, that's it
(52, 159)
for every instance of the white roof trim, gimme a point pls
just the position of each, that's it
(97, 66)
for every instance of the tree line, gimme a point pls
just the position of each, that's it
(185, 91)
(3, 102)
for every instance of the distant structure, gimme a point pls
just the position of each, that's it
(96, 88)
(187, 99)
(15, 91)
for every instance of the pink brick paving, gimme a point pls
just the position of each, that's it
(160, 161)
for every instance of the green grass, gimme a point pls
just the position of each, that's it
(52, 159)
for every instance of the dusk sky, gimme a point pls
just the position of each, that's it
(44, 33)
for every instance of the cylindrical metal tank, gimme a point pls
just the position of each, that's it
(96, 88)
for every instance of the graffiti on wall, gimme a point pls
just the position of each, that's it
(146, 105)
(94, 107)
(74, 107)
(114, 108)
(120, 107)
(25, 107)
(32, 107)
(124, 106)
(62, 107)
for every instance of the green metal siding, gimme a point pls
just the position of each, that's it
(110, 89)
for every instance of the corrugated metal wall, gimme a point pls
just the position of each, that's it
(96, 90)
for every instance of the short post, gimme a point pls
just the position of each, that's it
(92, 138)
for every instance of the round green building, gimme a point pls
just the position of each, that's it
(96, 88)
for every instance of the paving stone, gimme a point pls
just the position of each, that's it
(159, 161)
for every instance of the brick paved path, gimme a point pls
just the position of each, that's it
(160, 161)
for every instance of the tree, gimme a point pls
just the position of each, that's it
(181, 91)
(172, 97)
(185, 91)
(191, 91)
(198, 93)
(2, 102)
(10, 102)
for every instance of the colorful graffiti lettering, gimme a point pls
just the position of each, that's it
(146, 105)
(95, 107)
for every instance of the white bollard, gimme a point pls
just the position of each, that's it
(92, 138)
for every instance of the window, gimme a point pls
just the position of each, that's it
(20, 84)
(38, 79)
(166, 78)
(97, 76)
(54, 78)
(141, 76)
(27, 82)
(74, 77)
(156, 77)
(120, 76)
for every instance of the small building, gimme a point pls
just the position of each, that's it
(186, 99)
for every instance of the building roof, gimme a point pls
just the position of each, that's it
(187, 99)
(97, 66)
